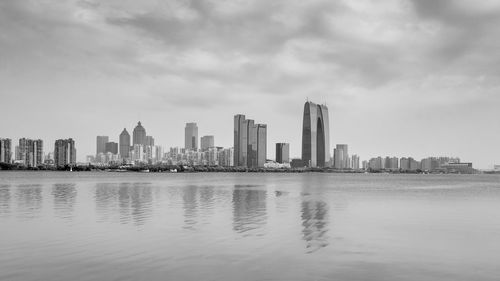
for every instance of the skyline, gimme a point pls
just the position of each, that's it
(400, 78)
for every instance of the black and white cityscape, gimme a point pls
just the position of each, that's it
(251, 140)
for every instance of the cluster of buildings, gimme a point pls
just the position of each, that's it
(429, 164)
(249, 150)
(29, 153)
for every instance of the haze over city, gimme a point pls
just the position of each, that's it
(403, 78)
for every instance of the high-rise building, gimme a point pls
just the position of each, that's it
(341, 157)
(30, 152)
(101, 144)
(111, 147)
(64, 152)
(316, 135)
(355, 162)
(404, 164)
(5, 150)
(150, 141)
(138, 153)
(206, 142)
(191, 136)
(125, 144)
(250, 142)
(139, 135)
(283, 152)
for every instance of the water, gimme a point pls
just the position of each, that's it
(210, 226)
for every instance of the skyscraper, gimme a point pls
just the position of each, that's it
(125, 144)
(250, 142)
(5, 150)
(139, 135)
(101, 144)
(30, 152)
(111, 147)
(283, 153)
(150, 141)
(64, 152)
(315, 135)
(191, 136)
(206, 142)
(341, 157)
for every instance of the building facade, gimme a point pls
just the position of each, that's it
(111, 147)
(5, 150)
(191, 136)
(283, 153)
(101, 144)
(341, 157)
(64, 152)
(30, 152)
(315, 135)
(250, 142)
(124, 144)
(206, 142)
(139, 135)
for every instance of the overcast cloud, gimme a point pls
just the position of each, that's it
(404, 78)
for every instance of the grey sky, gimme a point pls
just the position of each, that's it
(404, 78)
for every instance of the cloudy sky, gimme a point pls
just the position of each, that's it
(403, 78)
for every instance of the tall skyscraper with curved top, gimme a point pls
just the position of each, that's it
(139, 135)
(315, 135)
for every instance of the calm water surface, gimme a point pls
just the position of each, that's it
(128, 226)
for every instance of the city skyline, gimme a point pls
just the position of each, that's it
(399, 78)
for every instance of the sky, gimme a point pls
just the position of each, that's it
(400, 78)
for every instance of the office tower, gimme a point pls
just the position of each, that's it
(250, 142)
(150, 141)
(315, 135)
(158, 153)
(191, 136)
(5, 150)
(101, 144)
(341, 157)
(206, 142)
(30, 152)
(138, 154)
(139, 135)
(111, 147)
(355, 162)
(64, 152)
(125, 144)
(283, 153)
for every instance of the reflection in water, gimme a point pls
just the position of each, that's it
(29, 199)
(314, 221)
(249, 209)
(190, 204)
(64, 199)
(132, 201)
(4, 200)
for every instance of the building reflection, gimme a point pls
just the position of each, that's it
(29, 200)
(64, 199)
(249, 210)
(124, 202)
(190, 205)
(315, 224)
(4, 200)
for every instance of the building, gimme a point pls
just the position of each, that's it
(64, 152)
(341, 157)
(282, 152)
(250, 142)
(355, 162)
(226, 157)
(315, 135)
(458, 167)
(191, 136)
(138, 153)
(139, 135)
(376, 164)
(30, 152)
(101, 144)
(150, 141)
(125, 144)
(206, 142)
(111, 147)
(5, 150)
